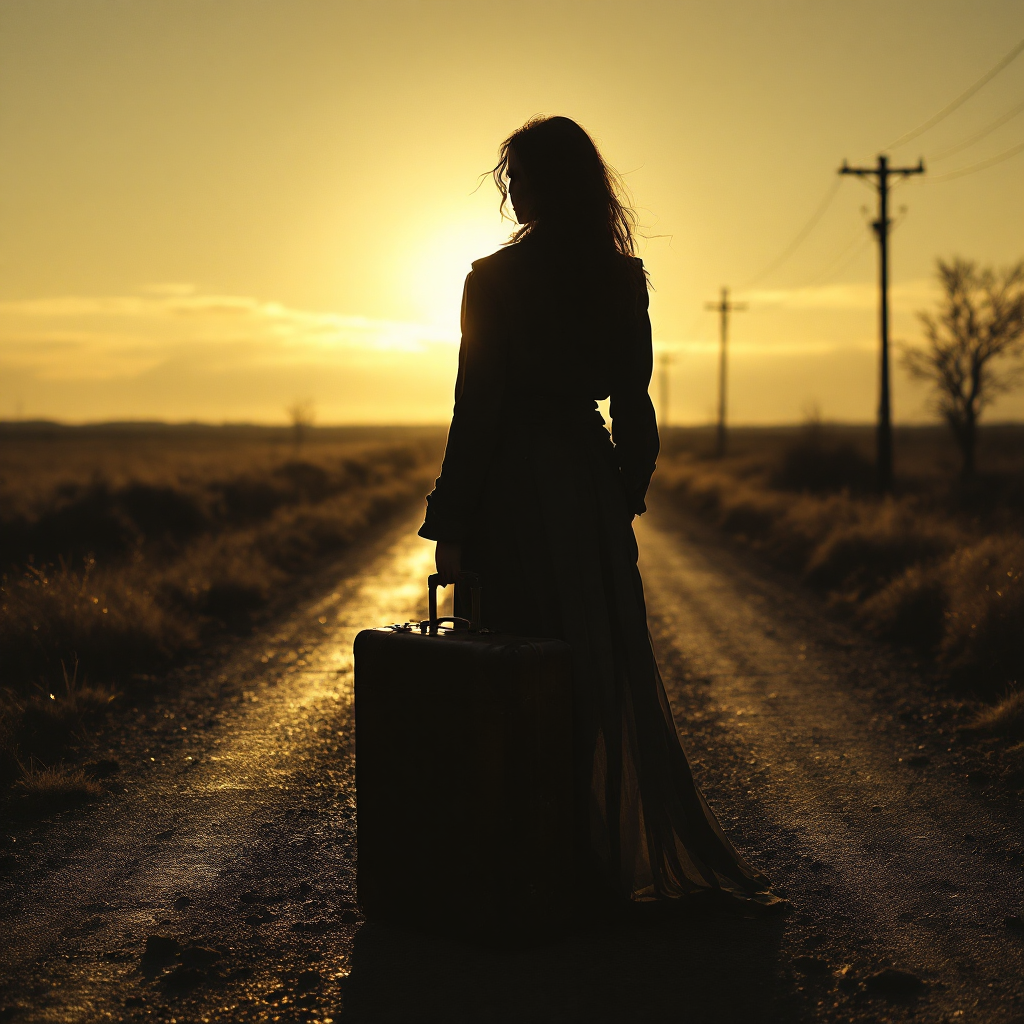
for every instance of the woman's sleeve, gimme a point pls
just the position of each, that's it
(479, 389)
(634, 425)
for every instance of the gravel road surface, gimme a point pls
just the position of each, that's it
(216, 882)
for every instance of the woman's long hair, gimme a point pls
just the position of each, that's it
(577, 195)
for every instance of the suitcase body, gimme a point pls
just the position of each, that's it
(464, 780)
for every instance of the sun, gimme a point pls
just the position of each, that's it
(438, 262)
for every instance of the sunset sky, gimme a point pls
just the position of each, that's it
(212, 208)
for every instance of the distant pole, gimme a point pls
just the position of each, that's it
(883, 436)
(723, 307)
(665, 362)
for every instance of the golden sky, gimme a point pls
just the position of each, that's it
(212, 208)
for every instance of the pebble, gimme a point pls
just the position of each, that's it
(811, 965)
(116, 956)
(893, 982)
(308, 980)
(318, 927)
(199, 956)
(161, 947)
(183, 977)
(262, 916)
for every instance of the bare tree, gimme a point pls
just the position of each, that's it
(302, 413)
(978, 328)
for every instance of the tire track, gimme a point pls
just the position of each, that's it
(887, 864)
(253, 817)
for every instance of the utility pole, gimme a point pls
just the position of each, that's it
(665, 361)
(882, 173)
(723, 307)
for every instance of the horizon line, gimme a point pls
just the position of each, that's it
(24, 422)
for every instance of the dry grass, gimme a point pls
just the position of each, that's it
(984, 628)
(1004, 719)
(105, 618)
(120, 551)
(932, 567)
(43, 790)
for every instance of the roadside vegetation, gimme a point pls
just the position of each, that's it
(124, 549)
(937, 567)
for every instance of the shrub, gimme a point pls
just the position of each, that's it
(38, 725)
(984, 634)
(163, 512)
(43, 790)
(804, 522)
(817, 465)
(75, 520)
(221, 578)
(910, 610)
(10, 734)
(1005, 718)
(968, 608)
(748, 512)
(55, 616)
(882, 541)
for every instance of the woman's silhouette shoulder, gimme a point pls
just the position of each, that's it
(503, 260)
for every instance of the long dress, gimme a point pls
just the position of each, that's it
(542, 498)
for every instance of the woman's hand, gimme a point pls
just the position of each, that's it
(448, 560)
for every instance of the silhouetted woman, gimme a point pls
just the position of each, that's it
(535, 496)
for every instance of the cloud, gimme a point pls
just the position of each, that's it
(122, 336)
(771, 348)
(174, 352)
(860, 296)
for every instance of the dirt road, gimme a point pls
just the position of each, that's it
(227, 842)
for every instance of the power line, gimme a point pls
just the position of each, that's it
(849, 251)
(978, 136)
(843, 256)
(839, 264)
(798, 239)
(991, 162)
(961, 99)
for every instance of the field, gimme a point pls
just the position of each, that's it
(936, 568)
(125, 547)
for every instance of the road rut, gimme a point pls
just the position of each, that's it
(888, 856)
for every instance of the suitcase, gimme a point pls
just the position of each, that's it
(464, 777)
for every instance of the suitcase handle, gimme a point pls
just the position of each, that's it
(472, 623)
